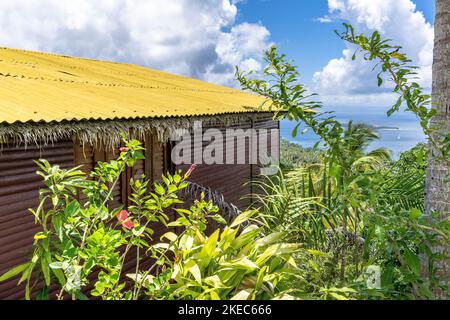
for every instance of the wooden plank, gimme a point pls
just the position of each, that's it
(19, 191)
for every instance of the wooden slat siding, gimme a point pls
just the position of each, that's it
(264, 122)
(88, 156)
(84, 157)
(19, 186)
(158, 160)
(138, 169)
(227, 179)
(233, 180)
(155, 163)
(152, 166)
(120, 191)
(20, 193)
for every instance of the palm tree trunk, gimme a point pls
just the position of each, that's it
(437, 187)
(438, 195)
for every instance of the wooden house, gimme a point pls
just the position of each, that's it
(71, 112)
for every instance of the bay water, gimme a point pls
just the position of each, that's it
(398, 133)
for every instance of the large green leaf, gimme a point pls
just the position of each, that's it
(269, 239)
(195, 271)
(45, 261)
(59, 274)
(243, 217)
(248, 235)
(239, 264)
(219, 219)
(275, 250)
(214, 281)
(209, 248)
(414, 213)
(14, 271)
(318, 253)
(412, 260)
(42, 294)
(260, 278)
(227, 237)
(242, 295)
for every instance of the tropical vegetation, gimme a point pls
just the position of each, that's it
(360, 215)
(341, 222)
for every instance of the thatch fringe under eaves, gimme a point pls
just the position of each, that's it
(106, 133)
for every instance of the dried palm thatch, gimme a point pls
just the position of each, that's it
(106, 133)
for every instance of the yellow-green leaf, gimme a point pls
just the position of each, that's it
(14, 271)
(214, 281)
(195, 271)
(243, 217)
(172, 237)
(40, 235)
(318, 253)
(398, 56)
(277, 249)
(241, 295)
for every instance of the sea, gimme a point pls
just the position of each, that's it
(398, 133)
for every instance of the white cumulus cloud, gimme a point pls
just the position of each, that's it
(343, 81)
(197, 38)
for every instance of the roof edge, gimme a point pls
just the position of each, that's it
(107, 133)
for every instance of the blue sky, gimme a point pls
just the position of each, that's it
(206, 39)
(294, 28)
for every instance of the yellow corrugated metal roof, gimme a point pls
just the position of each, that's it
(38, 86)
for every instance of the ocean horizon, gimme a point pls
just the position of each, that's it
(398, 133)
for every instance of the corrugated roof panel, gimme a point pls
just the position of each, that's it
(45, 87)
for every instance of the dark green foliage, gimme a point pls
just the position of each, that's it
(79, 238)
(359, 214)
(393, 63)
(293, 155)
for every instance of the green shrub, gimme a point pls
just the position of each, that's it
(79, 238)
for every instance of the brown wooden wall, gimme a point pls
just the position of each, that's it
(19, 186)
(233, 180)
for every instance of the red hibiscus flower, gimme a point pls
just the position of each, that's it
(122, 215)
(123, 218)
(128, 224)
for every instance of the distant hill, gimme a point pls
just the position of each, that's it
(376, 127)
